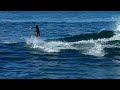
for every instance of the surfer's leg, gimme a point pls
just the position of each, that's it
(36, 34)
(39, 34)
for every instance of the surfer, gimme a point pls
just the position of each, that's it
(37, 32)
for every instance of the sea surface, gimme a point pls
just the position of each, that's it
(72, 45)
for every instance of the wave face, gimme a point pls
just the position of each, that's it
(99, 35)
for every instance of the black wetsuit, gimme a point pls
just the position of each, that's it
(37, 31)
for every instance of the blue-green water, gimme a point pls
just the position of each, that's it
(73, 45)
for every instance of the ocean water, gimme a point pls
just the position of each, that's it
(72, 45)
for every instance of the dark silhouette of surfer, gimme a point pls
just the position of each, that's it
(37, 31)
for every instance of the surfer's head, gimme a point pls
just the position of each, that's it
(37, 26)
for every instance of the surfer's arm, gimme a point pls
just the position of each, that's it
(33, 27)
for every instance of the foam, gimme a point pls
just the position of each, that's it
(96, 50)
(90, 47)
(47, 46)
(8, 41)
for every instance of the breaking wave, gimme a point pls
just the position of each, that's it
(89, 44)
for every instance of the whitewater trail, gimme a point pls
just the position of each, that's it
(47, 46)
